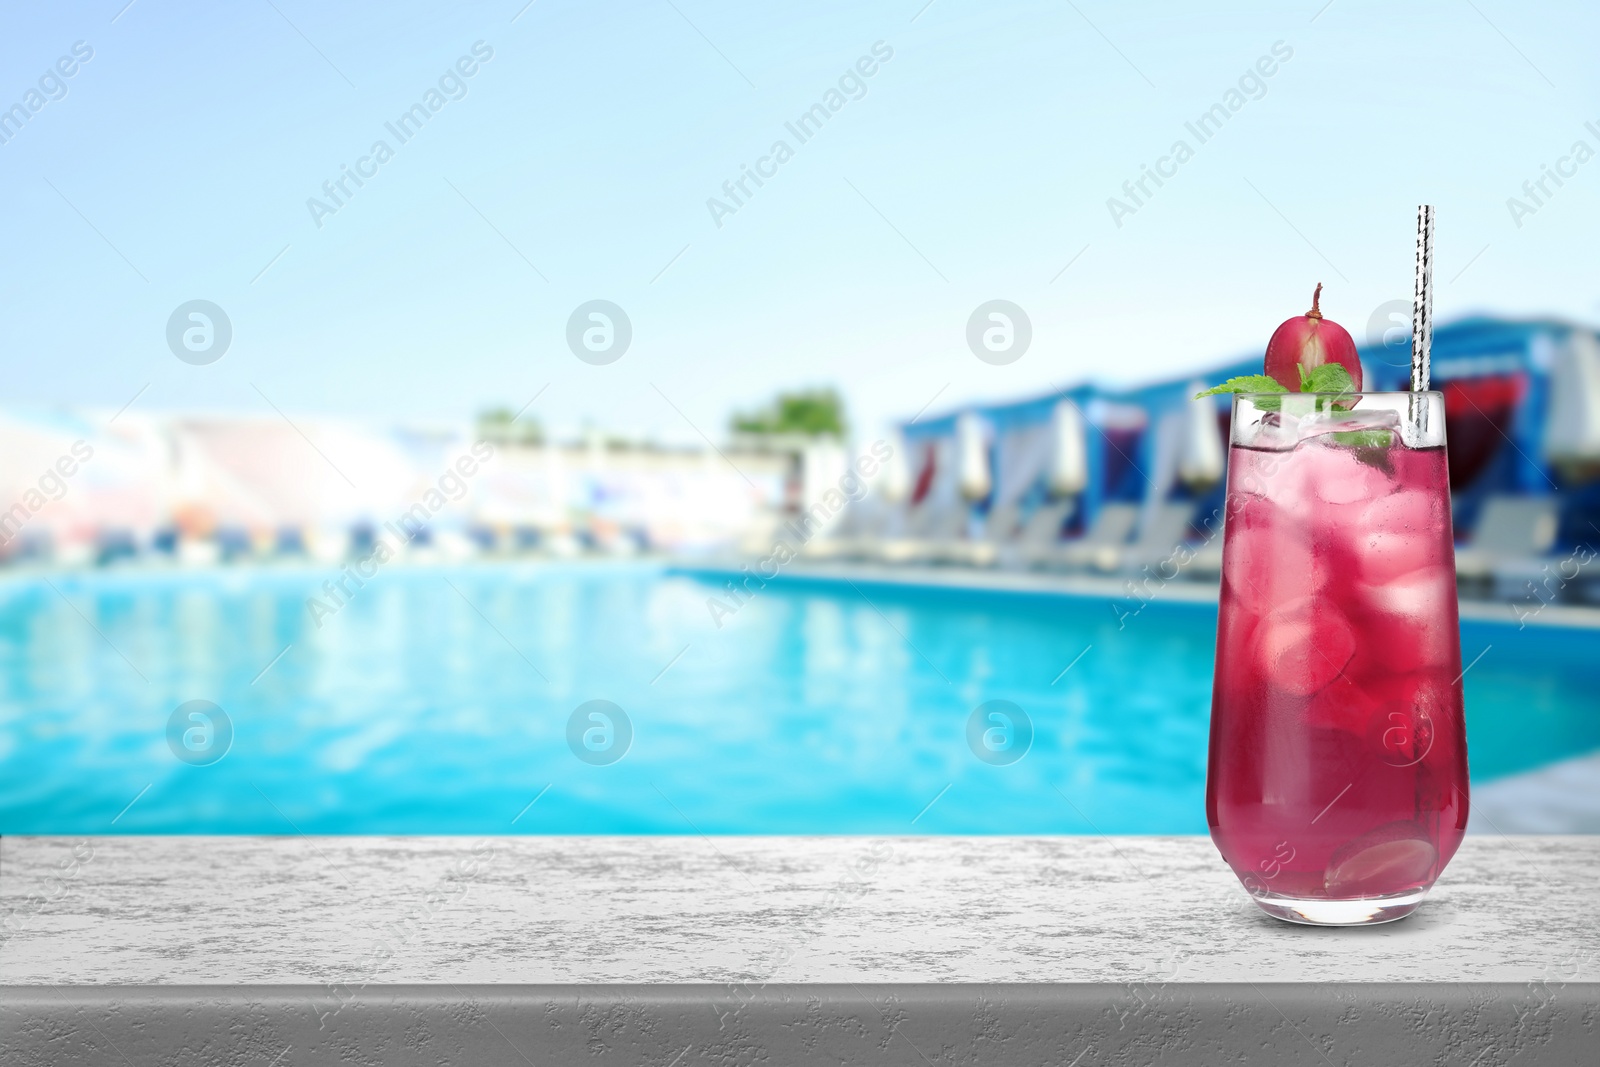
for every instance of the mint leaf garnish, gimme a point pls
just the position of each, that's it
(1364, 438)
(1248, 383)
(1328, 378)
(1369, 446)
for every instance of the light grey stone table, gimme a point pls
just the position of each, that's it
(685, 950)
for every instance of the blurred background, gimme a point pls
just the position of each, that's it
(685, 417)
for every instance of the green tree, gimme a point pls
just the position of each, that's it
(811, 412)
(498, 426)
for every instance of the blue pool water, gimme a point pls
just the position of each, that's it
(438, 700)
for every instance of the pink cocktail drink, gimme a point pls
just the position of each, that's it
(1337, 786)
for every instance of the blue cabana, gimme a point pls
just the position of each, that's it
(1495, 375)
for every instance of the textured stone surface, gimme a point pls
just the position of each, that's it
(542, 910)
(684, 950)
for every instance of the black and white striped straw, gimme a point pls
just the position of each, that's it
(1422, 302)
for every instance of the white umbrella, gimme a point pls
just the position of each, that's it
(1069, 459)
(895, 479)
(822, 466)
(974, 457)
(1572, 431)
(1200, 461)
(1023, 455)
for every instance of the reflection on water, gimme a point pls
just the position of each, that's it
(438, 701)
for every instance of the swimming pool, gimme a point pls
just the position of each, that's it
(447, 700)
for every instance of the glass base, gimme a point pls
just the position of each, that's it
(1366, 911)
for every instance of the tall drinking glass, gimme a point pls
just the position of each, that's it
(1337, 783)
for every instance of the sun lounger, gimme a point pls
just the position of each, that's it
(1101, 544)
(1038, 537)
(930, 529)
(962, 550)
(1001, 536)
(1512, 535)
(1155, 546)
(1205, 561)
(861, 528)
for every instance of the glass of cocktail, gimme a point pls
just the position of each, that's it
(1337, 783)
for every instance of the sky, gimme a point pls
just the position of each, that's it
(976, 162)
